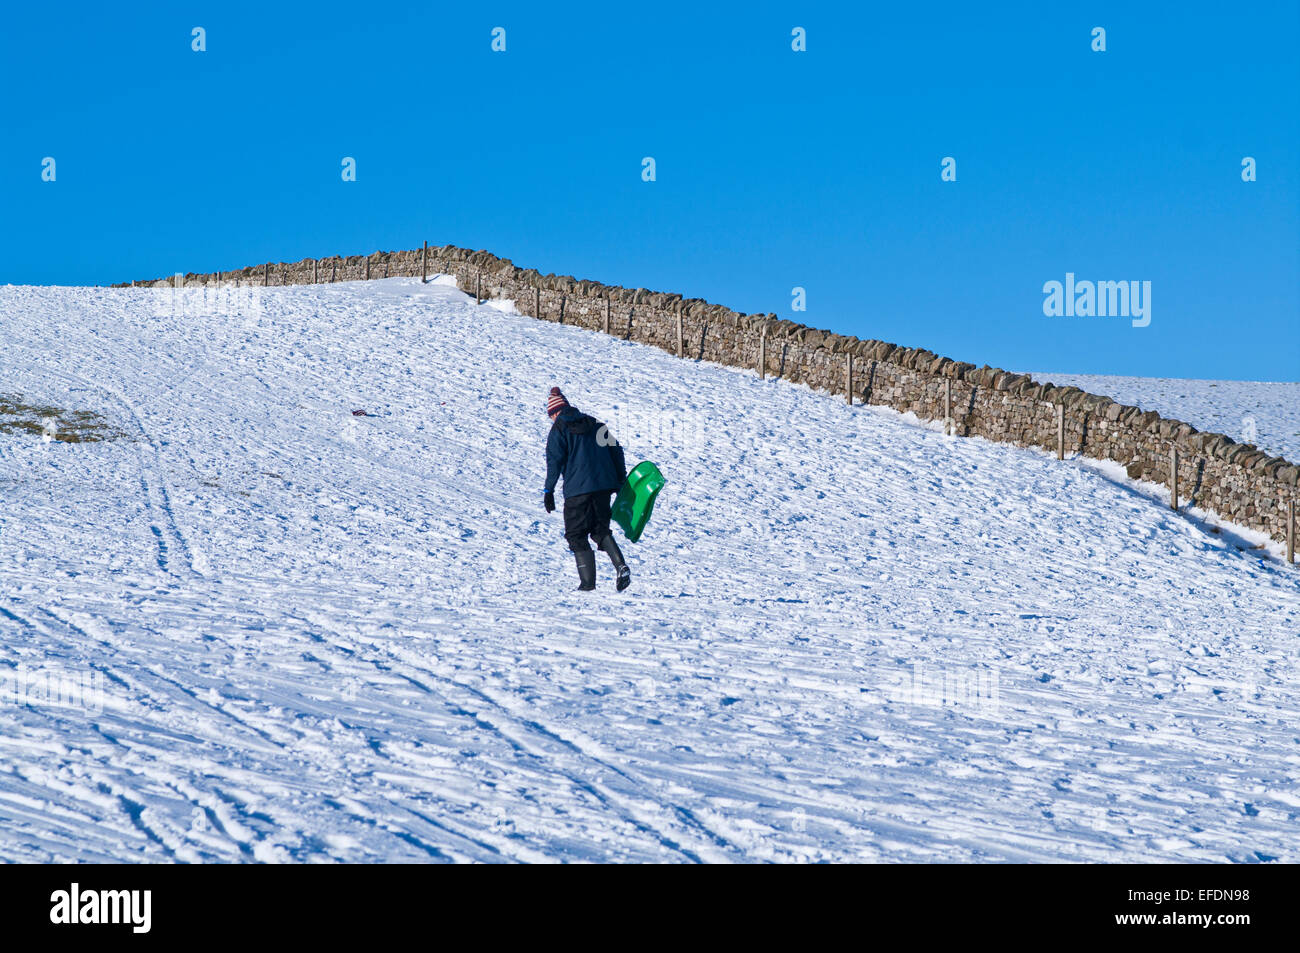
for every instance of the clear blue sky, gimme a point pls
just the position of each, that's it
(775, 169)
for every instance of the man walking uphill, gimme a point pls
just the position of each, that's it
(583, 450)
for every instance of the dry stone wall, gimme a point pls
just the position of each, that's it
(1237, 481)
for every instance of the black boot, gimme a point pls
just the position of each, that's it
(586, 561)
(616, 557)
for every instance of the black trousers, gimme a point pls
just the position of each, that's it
(587, 515)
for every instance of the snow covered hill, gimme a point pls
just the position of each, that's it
(1265, 414)
(295, 634)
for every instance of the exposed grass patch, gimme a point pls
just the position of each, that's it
(45, 420)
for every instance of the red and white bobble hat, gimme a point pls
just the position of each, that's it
(556, 402)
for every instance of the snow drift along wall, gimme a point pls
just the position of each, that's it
(1237, 481)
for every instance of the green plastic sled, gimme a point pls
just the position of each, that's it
(636, 501)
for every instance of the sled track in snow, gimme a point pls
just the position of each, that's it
(518, 726)
(168, 537)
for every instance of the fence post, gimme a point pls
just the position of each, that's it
(266, 275)
(563, 300)
(334, 268)
(606, 315)
(1290, 531)
(1173, 478)
(947, 406)
(315, 271)
(680, 350)
(1060, 432)
(367, 268)
(537, 301)
(848, 384)
(762, 354)
(478, 287)
(424, 264)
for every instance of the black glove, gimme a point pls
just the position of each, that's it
(548, 501)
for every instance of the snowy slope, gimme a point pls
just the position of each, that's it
(323, 637)
(1265, 414)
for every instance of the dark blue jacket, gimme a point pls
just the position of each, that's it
(585, 452)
